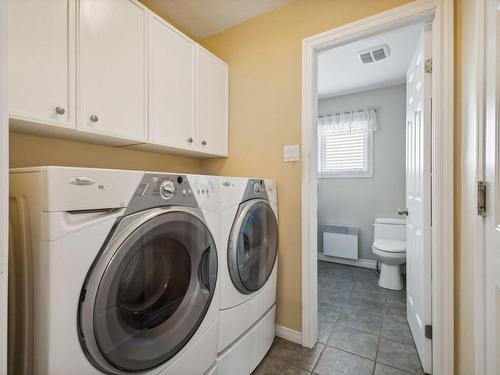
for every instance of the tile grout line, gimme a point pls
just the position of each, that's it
(395, 368)
(317, 361)
(347, 351)
(386, 294)
(379, 339)
(344, 351)
(289, 363)
(294, 365)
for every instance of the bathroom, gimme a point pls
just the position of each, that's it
(363, 113)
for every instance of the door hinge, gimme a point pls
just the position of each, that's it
(428, 332)
(481, 198)
(428, 66)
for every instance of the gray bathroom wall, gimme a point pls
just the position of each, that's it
(358, 201)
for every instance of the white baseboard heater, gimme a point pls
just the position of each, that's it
(340, 241)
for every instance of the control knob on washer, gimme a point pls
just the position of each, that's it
(167, 189)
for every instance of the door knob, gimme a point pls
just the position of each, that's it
(403, 211)
(94, 118)
(204, 143)
(190, 140)
(60, 110)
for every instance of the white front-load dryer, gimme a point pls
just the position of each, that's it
(249, 234)
(113, 272)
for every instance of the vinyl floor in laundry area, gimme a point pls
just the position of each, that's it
(362, 330)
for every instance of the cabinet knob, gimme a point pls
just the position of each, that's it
(60, 110)
(94, 118)
(204, 143)
(190, 140)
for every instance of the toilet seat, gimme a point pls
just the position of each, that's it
(389, 246)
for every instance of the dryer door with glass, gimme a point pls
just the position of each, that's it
(148, 291)
(253, 245)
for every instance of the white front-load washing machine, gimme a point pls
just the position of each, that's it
(248, 272)
(113, 272)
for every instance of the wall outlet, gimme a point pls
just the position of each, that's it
(291, 153)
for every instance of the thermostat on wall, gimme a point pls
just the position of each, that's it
(292, 153)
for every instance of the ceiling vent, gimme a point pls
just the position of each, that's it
(374, 54)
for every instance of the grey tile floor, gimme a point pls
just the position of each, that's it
(362, 330)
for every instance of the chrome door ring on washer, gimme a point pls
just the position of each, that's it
(253, 245)
(148, 291)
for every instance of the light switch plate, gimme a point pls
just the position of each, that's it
(291, 153)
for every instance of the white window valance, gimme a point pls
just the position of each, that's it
(360, 121)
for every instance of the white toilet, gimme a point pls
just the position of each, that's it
(389, 247)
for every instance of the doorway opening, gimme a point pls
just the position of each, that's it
(402, 223)
(373, 207)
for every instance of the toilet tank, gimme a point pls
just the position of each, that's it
(390, 229)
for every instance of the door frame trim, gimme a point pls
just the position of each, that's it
(483, 26)
(4, 188)
(443, 177)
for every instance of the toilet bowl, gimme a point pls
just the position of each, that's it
(389, 247)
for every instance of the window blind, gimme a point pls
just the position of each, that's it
(343, 153)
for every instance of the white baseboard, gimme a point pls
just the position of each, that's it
(366, 263)
(289, 334)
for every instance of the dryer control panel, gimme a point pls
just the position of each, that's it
(255, 189)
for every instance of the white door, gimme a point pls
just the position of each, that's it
(492, 220)
(113, 68)
(212, 103)
(172, 87)
(42, 61)
(418, 197)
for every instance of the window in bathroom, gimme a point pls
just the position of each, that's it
(345, 144)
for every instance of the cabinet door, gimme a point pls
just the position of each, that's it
(112, 77)
(212, 103)
(172, 87)
(41, 61)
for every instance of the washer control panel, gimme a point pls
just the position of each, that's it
(170, 186)
(156, 190)
(167, 189)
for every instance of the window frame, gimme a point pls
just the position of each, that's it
(369, 154)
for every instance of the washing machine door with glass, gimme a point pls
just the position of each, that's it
(253, 245)
(148, 291)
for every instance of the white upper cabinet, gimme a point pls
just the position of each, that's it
(212, 102)
(41, 61)
(172, 86)
(112, 69)
(113, 72)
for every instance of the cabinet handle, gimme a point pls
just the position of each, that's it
(60, 110)
(190, 140)
(204, 143)
(94, 118)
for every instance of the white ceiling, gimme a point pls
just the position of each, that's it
(202, 18)
(340, 71)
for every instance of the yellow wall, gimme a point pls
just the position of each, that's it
(264, 57)
(29, 150)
